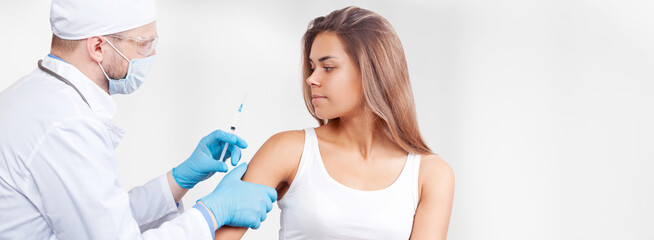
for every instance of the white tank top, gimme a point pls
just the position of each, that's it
(318, 207)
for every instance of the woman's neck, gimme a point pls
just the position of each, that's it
(359, 132)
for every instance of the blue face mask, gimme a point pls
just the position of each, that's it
(137, 71)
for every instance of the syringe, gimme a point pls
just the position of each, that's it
(232, 127)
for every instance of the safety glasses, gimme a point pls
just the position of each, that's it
(144, 46)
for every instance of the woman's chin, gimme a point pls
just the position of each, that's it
(325, 116)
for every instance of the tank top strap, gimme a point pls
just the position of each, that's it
(306, 160)
(310, 152)
(310, 138)
(413, 162)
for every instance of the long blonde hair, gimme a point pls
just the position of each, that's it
(376, 50)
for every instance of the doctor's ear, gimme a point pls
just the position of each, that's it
(95, 49)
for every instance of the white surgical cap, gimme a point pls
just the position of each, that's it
(80, 19)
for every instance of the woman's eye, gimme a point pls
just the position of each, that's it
(329, 69)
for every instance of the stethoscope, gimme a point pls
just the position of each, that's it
(63, 79)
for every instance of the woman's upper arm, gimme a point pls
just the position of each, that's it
(274, 164)
(276, 161)
(432, 217)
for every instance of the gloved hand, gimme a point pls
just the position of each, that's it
(204, 162)
(240, 204)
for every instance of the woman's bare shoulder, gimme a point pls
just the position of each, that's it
(287, 139)
(277, 159)
(282, 147)
(434, 171)
(432, 162)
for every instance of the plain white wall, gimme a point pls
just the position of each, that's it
(544, 109)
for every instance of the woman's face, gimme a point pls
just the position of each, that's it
(335, 82)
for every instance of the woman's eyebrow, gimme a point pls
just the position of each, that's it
(323, 58)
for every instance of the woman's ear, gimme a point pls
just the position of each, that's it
(94, 48)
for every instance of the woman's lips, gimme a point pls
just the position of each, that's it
(317, 98)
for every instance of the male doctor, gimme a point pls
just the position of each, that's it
(58, 176)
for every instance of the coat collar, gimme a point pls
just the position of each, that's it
(101, 103)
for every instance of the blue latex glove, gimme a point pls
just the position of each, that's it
(240, 204)
(204, 162)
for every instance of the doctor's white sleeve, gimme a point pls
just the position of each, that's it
(153, 204)
(76, 180)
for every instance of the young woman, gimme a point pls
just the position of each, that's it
(365, 172)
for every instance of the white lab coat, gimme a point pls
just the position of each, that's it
(58, 175)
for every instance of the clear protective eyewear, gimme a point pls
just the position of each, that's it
(144, 46)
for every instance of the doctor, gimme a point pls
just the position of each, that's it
(58, 175)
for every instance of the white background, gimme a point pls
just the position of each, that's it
(544, 109)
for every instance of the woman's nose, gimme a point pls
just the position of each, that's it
(313, 80)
